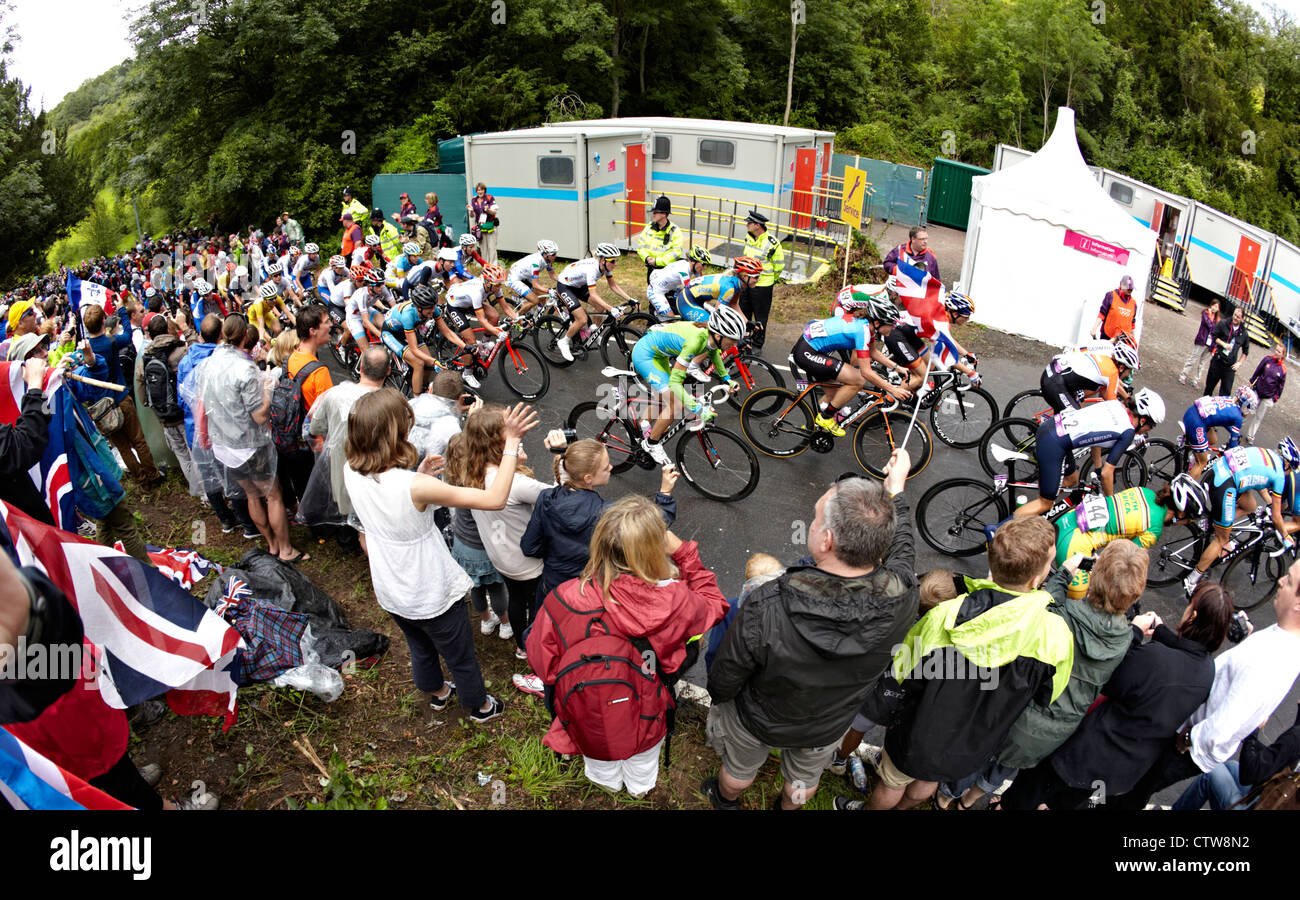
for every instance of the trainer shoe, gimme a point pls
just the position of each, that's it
(495, 709)
(838, 765)
(487, 626)
(438, 705)
(1182, 379)
(829, 425)
(507, 631)
(562, 344)
(228, 527)
(207, 802)
(521, 653)
(529, 684)
(151, 773)
(845, 803)
(1191, 581)
(468, 377)
(251, 534)
(709, 788)
(656, 451)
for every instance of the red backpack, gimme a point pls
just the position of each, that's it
(608, 693)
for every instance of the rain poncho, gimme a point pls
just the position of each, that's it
(225, 390)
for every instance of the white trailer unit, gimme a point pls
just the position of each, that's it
(545, 180)
(1284, 281)
(1005, 156)
(1216, 244)
(1162, 212)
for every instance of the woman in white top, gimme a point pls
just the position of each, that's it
(415, 579)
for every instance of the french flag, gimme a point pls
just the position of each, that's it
(922, 295)
(29, 780)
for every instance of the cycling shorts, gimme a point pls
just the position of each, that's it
(521, 288)
(459, 319)
(1198, 433)
(652, 367)
(692, 312)
(1058, 393)
(819, 366)
(906, 348)
(1223, 503)
(1055, 459)
(393, 342)
(572, 298)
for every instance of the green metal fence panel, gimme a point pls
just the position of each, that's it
(898, 191)
(949, 200)
(385, 191)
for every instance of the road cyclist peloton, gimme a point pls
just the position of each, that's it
(577, 285)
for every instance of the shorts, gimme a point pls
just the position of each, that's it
(891, 776)
(639, 773)
(665, 304)
(1058, 394)
(905, 349)
(358, 332)
(819, 366)
(653, 368)
(743, 754)
(571, 298)
(1223, 503)
(459, 319)
(1198, 433)
(521, 288)
(691, 311)
(1055, 454)
(393, 342)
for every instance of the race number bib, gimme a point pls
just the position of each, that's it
(1094, 514)
(1238, 459)
(815, 330)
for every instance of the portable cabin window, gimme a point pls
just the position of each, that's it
(663, 148)
(717, 153)
(555, 170)
(1121, 193)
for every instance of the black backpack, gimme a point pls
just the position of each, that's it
(160, 389)
(288, 409)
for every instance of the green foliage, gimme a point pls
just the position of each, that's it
(108, 229)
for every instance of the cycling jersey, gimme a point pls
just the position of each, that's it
(1131, 514)
(662, 346)
(666, 282)
(358, 311)
(1105, 424)
(711, 288)
(468, 294)
(526, 271)
(1085, 372)
(582, 274)
(1207, 412)
(262, 313)
(824, 335)
(1242, 469)
(302, 271)
(328, 280)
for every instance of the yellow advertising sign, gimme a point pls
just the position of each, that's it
(855, 192)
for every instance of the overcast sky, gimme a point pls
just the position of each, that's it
(65, 42)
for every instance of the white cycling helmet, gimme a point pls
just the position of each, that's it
(548, 248)
(311, 248)
(411, 248)
(269, 289)
(1189, 496)
(1247, 399)
(726, 322)
(372, 240)
(1148, 403)
(273, 269)
(607, 251)
(468, 240)
(448, 254)
(1125, 355)
(338, 262)
(241, 271)
(202, 286)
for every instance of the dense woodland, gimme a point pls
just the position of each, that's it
(233, 110)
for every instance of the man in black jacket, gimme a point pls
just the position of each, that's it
(807, 647)
(1230, 339)
(22, 444)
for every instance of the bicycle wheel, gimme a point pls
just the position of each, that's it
(960, 418)
(637, 321)
(761, 374)
(1163, 461)
(339, 338)
(953, 514)
(1252, 578)
(1019, 435)
(881, 432)
(616, 346)
(717, 463)
(1174, 554)
(598, 421)
(777, 422)
(1026, 405)
(395, 379)
(546, 334)
(1131, 472)
(524, 371)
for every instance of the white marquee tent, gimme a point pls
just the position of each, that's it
(1045, 243)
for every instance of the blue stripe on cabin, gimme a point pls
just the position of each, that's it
(1280, 280)
(1213, 249)
(605, 191)
(1143, 222)
(710, 181)
(533, 193)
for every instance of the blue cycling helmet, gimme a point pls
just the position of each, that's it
(1290, 455)
(958, 304)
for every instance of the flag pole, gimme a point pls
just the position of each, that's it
(847, 247)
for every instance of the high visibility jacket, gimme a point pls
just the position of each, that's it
(1120, 317)
(358, 211)
(659, 246)
(390, 239)
(769, 250)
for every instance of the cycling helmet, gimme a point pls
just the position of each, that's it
(882, 309)
(202, 286)
(311, 248)
(493, 274)
(294, 251)
(150, 293)
(373, 278)
(337, 262)
(607, 251)
(468, 240)
(410, 219)
(699, 254)
(447, 254)
(726, 322)
(1148, 403)
(241, 271)
(423, 296)
(1125, 355)
(747, 265)
(358, 273)
(273, 269)
(372, 240)
(1247, 399)
(269, 289)
(411, 248)
(1189, 496)
(548, 248)
(958, 304)
(1287, 450)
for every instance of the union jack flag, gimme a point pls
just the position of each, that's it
(148, 636)
(185, 567)
(922, 295)
(29, 780)
(52, 476)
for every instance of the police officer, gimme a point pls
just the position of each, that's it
(756, 301)
(661, 243)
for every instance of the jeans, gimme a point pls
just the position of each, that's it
(446, 637)
(1220, 786)
(1171, 768)
(987, 779)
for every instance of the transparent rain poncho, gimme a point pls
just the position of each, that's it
(225, 390)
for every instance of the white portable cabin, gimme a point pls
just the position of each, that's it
(1164, 213)
(546, 179)
(1216, 243)
(1284, 281)
(1005, 156)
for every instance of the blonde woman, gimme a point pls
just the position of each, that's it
(415, 579)
(641, 581)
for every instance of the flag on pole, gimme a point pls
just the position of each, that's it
(52, 475)
(922, 295)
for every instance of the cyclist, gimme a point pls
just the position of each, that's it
(469, 303)
(284, 286)
(525, 276)
(667, 282)
(397, 269)
(662, 355)
(267, 312)
(469, 250)
(1111, 424)
(577, 285)
(824, 336)
(1229, 484)
(858, 294)
(698, 297)
(1072, 375)
(373, 255)
(364, 306)
(399, 332)
(304, 270)
(447, 267)
(336, 274)
(1137, 514)
(904, 344)
(1207, 412)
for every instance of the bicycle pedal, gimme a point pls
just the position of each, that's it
(822, 442)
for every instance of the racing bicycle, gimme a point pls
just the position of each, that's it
(1021, 436)
(1254, 563)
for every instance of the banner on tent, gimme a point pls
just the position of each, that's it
(1091, 245)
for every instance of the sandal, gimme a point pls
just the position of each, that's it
(302, 556)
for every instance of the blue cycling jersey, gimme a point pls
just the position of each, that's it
(1222, 411)
(719, 288)
(838, 334)
(1250, 468)
(403, 318)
